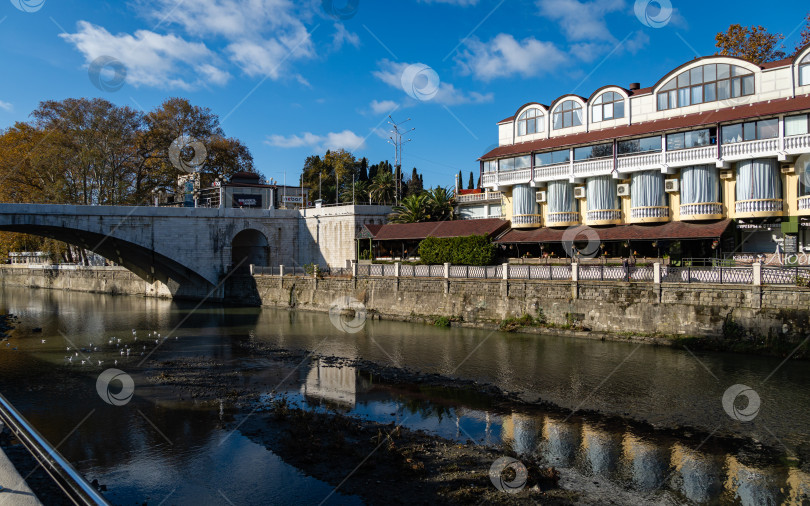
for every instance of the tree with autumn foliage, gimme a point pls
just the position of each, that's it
(757, 44)
(93, 152)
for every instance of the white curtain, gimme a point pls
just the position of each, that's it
(647, 189)
(803, 171)
(560, 197)
(523, 199)
(758, 179)
(699, 184)
(601, 193)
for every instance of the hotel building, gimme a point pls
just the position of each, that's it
(716, 139)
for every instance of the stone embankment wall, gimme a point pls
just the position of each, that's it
(110, 280)
(617, 307)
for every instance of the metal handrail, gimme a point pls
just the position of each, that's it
(66, 477)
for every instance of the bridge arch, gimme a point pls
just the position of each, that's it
(250, 246)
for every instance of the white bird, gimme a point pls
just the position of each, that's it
(68, 348)
(122, 352)
(156, 341)
(116, 362)
(83, 361)
(133, 332)
(43, 341)
(127, 352)
(100, 362)
(176, 338)
(95, 349)
(77, 353)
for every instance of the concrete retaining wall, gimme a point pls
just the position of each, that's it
(619, 307)
(111, 280)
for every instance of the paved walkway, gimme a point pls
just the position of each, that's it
(15, 490)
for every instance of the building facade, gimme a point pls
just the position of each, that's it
(716, 138)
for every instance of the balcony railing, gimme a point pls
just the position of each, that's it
(797, 143)
(526, 220)
(759, 206)
(644, 160)
(704, 154)
(593, 167)
(697, 210)
(750, 148)
(804, 203)
(604, 215)
(656, 212)
(564, 218)
(551, 172)
(478, 197)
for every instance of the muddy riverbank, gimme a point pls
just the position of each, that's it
(389, 463)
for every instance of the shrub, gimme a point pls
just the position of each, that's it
(469, 250)
(442, 321)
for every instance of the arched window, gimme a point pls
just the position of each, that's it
(530, 122)
(609, 105)
(804, 71)
(567, 114)
(706, 83)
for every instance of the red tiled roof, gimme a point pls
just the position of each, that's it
(771, 107)
(671, 230)
(457, 228)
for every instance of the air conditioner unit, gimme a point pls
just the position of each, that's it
(623, 190)
(726, 174)
(671, 185)
(579, 192)
(541, 196)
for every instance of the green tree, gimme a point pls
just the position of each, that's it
(441, 201)
(415, 183)
(805, 35)
(753, 43)
(411, 209)
(471, 183)
(382, 189)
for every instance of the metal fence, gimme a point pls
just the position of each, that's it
(717, 274)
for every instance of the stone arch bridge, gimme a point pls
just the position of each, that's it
(188, 252)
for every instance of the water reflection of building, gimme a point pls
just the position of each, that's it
(751, 485)
(330, 383)
(647, 462)
(697, 476)
(560, 443)
(521, 431)
(601, 450)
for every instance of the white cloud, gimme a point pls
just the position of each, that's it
(504, 56)
(390, 73)
(346, 139)
(343, 36)
(382, 107)
(150, 58)
(581, 20)
(6, 106)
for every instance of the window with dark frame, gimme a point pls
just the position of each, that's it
(804, 71)
(706, 83)
(797, 125)
(642, 145)
(608, 105)
(552, 157)
(530, 122)
(692, 139)
(568, 114)
(750, 131)
(596, 151)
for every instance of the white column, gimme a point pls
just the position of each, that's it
(354, 269)
(657, 273)
(574, 271)
(397, 266)
(505, 271)
(281, 271)
(446, 271)
(757, 273)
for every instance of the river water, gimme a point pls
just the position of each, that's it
(164, 449)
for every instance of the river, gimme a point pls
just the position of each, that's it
(171, 449)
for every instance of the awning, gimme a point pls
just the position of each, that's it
(457, 228)
(671, 230)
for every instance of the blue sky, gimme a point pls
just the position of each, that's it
(291, 79)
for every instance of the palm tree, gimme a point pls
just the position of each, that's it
(382, 187)
(411, 209)
(440, 204)
(359, 193)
